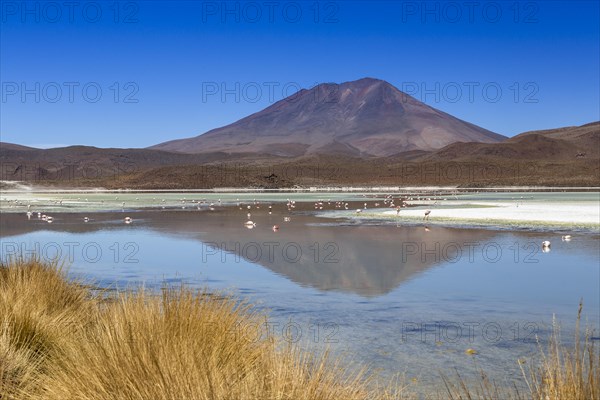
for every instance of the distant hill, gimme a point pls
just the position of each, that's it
(74, 163)
(585, 137)
(569, 143)
(367, 117)
(12, 146)
(571, 133)
(556, 157)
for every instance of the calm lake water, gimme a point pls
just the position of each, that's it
(402, 299)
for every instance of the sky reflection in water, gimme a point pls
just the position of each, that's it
(401, 298)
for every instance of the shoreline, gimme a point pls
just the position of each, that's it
(31, 188)
(568, 216)
(569, 212)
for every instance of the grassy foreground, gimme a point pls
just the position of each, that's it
(61, 340)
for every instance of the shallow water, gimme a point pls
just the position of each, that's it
(399, 298)
(94, 200)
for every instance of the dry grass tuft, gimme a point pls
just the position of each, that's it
(40, 314)
(560, 373)
(567, 373)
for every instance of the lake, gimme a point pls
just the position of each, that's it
(401, 298)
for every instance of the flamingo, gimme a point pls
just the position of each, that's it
(545, 246)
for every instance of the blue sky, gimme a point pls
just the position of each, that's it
(136, 73)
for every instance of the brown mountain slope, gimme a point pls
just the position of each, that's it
(566, 144)
(565, 157)
(13, 146)
(585, 137)
(84, 162)
(367, 117)
(571, 133)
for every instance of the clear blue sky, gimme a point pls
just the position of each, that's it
(161, 67)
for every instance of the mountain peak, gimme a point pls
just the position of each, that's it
(365, 80)
(356, 84)
(367, 116)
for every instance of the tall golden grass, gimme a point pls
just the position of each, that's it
(39, 310)
(559, 373)
(61, 340)
(567, 373)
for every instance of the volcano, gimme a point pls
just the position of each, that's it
(368, 117)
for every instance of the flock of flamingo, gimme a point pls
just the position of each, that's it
(389, 202)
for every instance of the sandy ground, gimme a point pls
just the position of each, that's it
(583, 214)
